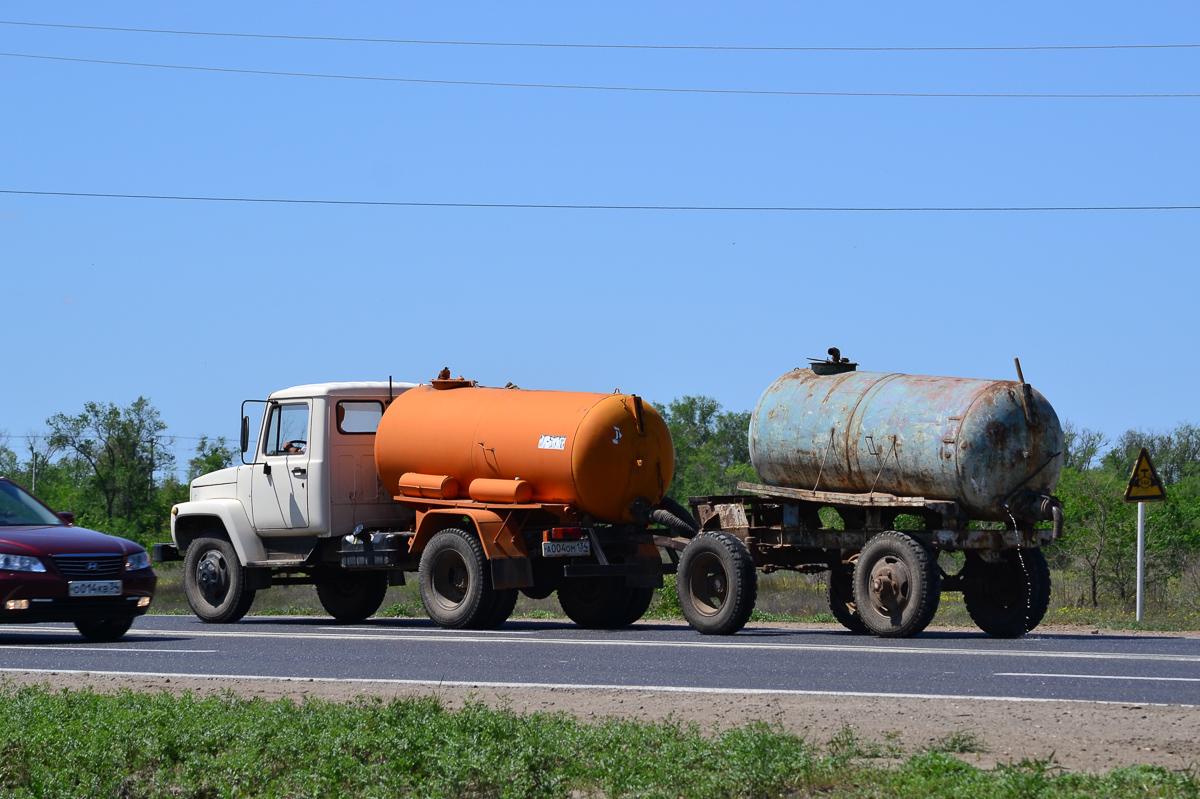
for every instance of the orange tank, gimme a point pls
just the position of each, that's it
(596, 452)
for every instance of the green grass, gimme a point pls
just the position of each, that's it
(146, 746)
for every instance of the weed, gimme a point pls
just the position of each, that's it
(960, 742)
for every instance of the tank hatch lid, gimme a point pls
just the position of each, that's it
(444, 381)
(835, 364)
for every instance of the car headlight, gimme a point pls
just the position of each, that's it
(136, 561)
(20, 563)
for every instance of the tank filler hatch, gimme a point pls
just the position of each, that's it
(835, 364)
(444, 381)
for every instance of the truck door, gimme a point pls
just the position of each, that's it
(279, 492)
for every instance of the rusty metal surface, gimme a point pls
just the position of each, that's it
(944, 438)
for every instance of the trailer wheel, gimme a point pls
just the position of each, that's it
(839, 590)
(503, 603)
(1013, 595)
(456, 588)
(596, 603)
(353, 597)
(214, 581)
(717, 583)
(897, 585)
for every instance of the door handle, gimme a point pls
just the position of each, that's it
(300, 471)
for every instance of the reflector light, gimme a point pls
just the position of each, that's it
(17, 604)
(566, 533)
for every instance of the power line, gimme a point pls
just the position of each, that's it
(583, 46)
(596, 207)
(661, 89)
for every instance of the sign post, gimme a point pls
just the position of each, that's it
(1144, 486)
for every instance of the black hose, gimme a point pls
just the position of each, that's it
(677, 525)
(679, 510)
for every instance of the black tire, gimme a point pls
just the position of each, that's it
(1014, 593)
(352, 597)
(503, 602)
(596, 603)
(640, 600)
(717, 583)
(214, 581)
(104, 629)
(456, 587)
(839, 590)
(897, 585)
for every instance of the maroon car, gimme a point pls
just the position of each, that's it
(53, 571)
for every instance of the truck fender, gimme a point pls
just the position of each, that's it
(499, 534)
(225, 517)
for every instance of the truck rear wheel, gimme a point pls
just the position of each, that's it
(596, 603)
(1013, 595)
(897, 585)
(353, 596)
(456, 588)
(214, 581)
(839, 590)
(717, 584)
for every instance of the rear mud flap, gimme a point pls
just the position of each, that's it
(511, 573)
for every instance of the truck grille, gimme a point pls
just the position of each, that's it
(90, 567)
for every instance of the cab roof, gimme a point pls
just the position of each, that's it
(362, 389)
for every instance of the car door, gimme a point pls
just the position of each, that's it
(279, 491)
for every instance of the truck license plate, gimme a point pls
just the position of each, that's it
(94, 588)
(566, 549)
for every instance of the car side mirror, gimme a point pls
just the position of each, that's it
(67, 517)
(245, 433)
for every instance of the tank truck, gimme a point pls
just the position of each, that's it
(481, 492)
(869, 477)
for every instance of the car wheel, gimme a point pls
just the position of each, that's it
(214, 581)
(104, 629)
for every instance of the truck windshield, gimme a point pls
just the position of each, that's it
(18, 508)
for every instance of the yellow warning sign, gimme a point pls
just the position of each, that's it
(1144, 485)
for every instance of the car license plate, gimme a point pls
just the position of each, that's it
(94, 588)
(566, 549)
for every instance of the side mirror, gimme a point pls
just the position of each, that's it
(245, 433)
(67, 517)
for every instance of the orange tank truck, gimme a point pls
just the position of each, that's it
(532, 491)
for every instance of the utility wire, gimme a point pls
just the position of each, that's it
(669, 90)
(606, 46)
(595, 207)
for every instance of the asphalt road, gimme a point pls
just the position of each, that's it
(1110, 668)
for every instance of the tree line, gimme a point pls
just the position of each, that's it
(113, 466)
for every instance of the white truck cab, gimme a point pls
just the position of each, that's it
(280, 516)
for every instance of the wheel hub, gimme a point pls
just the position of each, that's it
(889, 585)
(212, 577)
(708, 586)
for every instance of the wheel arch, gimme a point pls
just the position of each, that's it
(220, 519)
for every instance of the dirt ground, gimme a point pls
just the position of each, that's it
(1080, 736)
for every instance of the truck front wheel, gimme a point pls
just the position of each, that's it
(214, 581)
(456, 588)
(897, 585)
(353, 597)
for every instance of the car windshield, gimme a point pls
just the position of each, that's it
(17, 507)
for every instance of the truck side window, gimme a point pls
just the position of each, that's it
(358, 417)
(287, 431)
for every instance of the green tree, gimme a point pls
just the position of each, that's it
(712, 452)
(211, 455)
(119, 452)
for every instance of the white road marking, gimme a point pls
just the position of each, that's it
(665, 689)
(74, 648)
(430, 630)
(728, 644)
(1096, 677)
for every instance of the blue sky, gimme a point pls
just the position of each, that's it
(199, 305)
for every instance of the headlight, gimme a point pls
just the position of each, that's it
(20, 563)
(138, 560)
